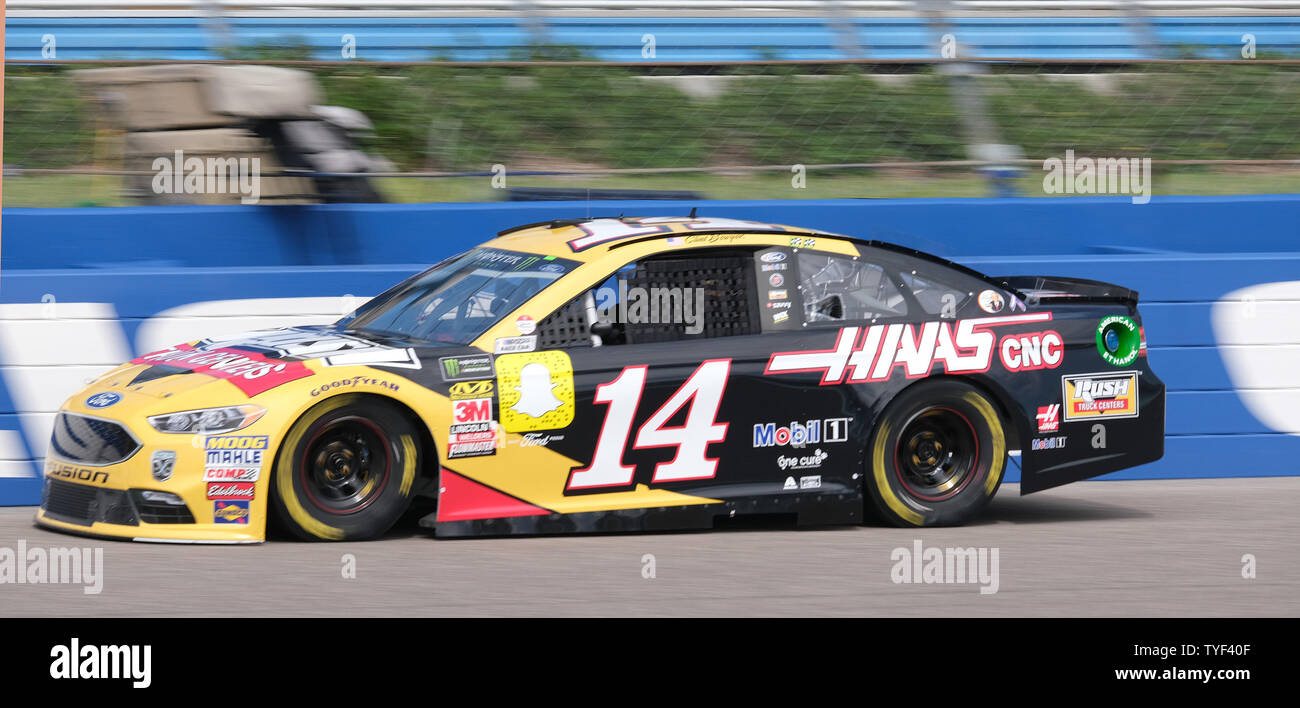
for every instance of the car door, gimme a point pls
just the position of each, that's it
(672, 407)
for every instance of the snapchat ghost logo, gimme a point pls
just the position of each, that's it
(536, 396)
(535, 390)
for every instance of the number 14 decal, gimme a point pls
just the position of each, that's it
(702, 391)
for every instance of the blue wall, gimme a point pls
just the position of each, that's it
(1182, 253)
(707, 39)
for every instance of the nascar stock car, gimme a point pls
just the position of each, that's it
(621, 374)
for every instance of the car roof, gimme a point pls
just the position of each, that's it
(587, 239)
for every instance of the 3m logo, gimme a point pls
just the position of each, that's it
(1102, 395)
(872, 353)
(478, 410)
(1049, 418)
(471, 389)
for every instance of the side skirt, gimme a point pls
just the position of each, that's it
(812, 510)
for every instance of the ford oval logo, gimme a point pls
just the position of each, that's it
(773, 257)
(103, 400)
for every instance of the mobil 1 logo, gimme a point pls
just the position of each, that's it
(801, 433)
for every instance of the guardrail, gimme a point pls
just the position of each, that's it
(1219, 280)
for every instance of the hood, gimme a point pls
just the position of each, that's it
(256, 362)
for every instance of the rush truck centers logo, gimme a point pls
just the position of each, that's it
(1102, 395)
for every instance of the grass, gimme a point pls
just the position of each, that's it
(80, 190)
(455, 118)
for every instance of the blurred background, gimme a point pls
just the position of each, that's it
(677, 98)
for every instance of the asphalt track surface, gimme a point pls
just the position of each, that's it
(1146, 548)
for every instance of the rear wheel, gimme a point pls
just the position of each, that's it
(937, 456)
(346, 470)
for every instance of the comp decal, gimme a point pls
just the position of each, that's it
(872, 353)
(1100, 396)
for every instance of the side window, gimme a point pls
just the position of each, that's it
(666, 298)
(937, 298)
(837, 287)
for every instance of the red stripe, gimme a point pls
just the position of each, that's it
(463, 499)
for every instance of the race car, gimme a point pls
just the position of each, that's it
(621, 374)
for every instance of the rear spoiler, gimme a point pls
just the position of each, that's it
(1050, 288)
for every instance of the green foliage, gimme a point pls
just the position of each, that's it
(47, 123)
(445, 117)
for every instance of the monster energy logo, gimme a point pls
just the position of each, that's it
(474, 366)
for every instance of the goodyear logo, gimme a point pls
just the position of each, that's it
(236, 442)
(1092, 396)
(535, 391)
(230, 512)
(471, 389)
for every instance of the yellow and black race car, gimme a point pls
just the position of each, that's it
(619, 374)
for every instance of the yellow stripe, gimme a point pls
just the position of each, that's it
(408, 464)
(999, 440)
(882, 484)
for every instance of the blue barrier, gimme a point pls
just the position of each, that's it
(702, 39)
(134, 272)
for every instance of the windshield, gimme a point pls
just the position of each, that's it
(460, 298)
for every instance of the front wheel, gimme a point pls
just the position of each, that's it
(346, 470)
(937, 456)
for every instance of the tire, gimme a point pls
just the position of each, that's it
(346, 471)
(937, 456)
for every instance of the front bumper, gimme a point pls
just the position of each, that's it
(125, 514)
(100, 480)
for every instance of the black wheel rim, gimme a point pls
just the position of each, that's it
(936, 454)
(345, 465)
